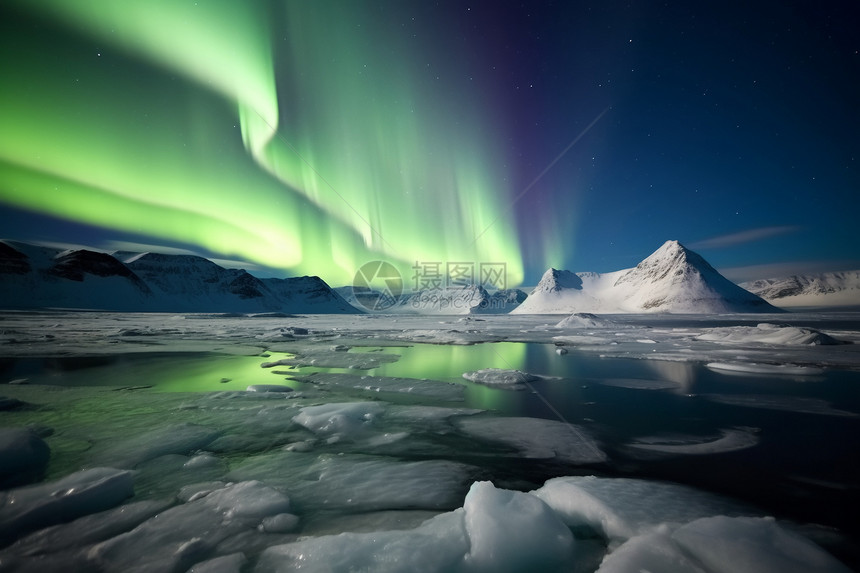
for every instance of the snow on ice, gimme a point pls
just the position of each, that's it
(328, 477)
(501, 378)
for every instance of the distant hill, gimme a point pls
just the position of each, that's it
(33, 276)
(823, 289)
(468, 299)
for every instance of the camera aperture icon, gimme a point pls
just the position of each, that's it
(377, 285)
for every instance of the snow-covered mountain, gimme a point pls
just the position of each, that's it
(673, 279)
(468, 299)
(824, 289)
(33, 276)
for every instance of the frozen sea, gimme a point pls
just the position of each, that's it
(190, 442)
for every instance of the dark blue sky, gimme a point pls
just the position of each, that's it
(732, 127)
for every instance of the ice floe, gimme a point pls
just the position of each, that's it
(37, 506)
(638, 384)
(501, 378)
(755, 368)
(345, 419)
(188, 533)
(332, 358)
(268, 388)
(585, 320)
(766, 333)
(799, 404)
(721, 544)
(496, 530)
(175, 439)
(751, 545)
(351, 483)
(330, 478)
(621, 508)
(728, 440)
(377, 385)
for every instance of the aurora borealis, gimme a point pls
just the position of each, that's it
(312, 137)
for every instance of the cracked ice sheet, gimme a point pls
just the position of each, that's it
(644, 524)
(495, 530)
(381, 385)
(352, 483)
(537, 438)
(675, 336)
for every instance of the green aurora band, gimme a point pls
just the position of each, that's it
(295, 135)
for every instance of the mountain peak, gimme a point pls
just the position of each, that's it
(673, 262)
(554, 280)
(671, 279)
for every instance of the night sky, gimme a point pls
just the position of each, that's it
(312, 137)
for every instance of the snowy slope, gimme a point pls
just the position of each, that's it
(825, 289)
(308, 294)
(672, 279)
(468, 299)
(33, 276)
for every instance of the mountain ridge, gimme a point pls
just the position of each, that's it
(32, 276)
(838, 288)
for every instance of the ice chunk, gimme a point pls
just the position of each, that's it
(496, 530)
(328, 358)
(500, 378)
(186, 534)
(800, 404)
(621, 508)
(88, 529)
(439, 544)
(360, 482)
(178, 439)
(82, 493)
(427, 414)
(650, 552)
(383, 384)
(729, 440)
(339, 418)
(203, 460)
(23, 457)
(753, 368)
(370, 483)
(766, 333)
(232, 563)
(268, 388)
(386, 520)
(752, 545)
(637, 384)
(195, 491)
(280, 523)
(585, 320)
(513, 531)
(537, 438)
